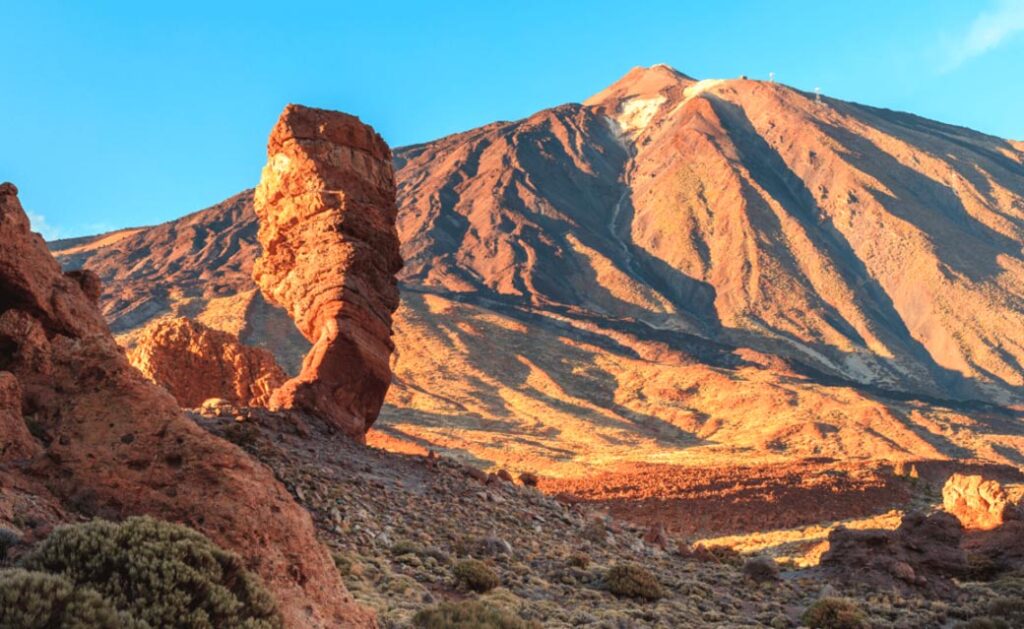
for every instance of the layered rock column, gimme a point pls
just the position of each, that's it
(326, 206)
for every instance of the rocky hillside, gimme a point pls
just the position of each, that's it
(675, 271)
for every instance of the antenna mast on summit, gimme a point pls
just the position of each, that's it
(771, 77)
(817, 94)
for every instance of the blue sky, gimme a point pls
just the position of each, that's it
(115, 114)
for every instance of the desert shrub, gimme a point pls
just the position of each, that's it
(8, 540)
(634, 581)
(469, 615)
(761, 569)
(834, 613)
(595, 531)
(37, 600)
(164, 574)
(405, 547)
(476, 575)
(1009, 607)
(983, 622)
(579, 560)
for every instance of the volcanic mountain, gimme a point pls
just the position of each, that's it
(674, 271)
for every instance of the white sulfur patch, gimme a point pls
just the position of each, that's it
(636, 113)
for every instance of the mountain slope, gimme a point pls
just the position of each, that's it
(675, 271)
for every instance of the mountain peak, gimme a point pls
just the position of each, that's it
(641, 82)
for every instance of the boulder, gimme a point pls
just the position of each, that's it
(117, 445)
(979, 504)
(195, 363)
(326, 210)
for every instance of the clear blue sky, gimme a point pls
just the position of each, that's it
(116, 114)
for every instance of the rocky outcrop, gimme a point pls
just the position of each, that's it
(17, 440)
(978, 503)
(923, 554)
(326, 207)
(117, 445)
(195, 363)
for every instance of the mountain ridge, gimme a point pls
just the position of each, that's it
(728, 264)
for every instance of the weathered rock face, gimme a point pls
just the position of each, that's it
(117, 445)
(195, 363)
(978, 503)
(326, 206)
(924, 554)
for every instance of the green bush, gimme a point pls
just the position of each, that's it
(469, 615)
(8, 540)
(405, 547)
(1008, 607)
(834, 613)
(476, 575)
(634, 581)
(164, 574)
(36, 600)
(983, 622)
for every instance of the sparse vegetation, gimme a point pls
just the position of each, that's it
(164, 574)
(834, 613)
(579, 560)
(8, 540)
(476, 575)
(469, 615)
(633, 581)
(37, 600)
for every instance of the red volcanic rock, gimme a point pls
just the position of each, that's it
(196, 363)
(117, 445)
(976, 502)
(17, 441)
(89, 283)
(923, 553)
(326, 206)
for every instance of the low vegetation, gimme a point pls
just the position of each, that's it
(834, 613)
(469, 615)
(139, 573)
(633, 581)
(476, 575)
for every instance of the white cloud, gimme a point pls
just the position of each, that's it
(39, 224)
(990, 29)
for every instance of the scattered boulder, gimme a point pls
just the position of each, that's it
(978, 503)
(924, 553)
(476, 473)
(117, 445)
(656, 535)
(195, 363)
(326, 209)
(761, 569)
(529, 479)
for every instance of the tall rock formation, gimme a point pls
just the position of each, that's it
(195, 363)
(117, 445)
(326, 206)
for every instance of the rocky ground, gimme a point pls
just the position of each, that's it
(399, 525)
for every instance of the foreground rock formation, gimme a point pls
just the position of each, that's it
(326, 206)
(923, 554)
(114, 444)
(195, 363)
